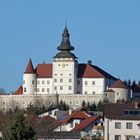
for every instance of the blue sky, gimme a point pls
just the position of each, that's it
(104, 31)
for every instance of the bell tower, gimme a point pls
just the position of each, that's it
(65, 67)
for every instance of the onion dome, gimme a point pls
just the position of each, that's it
(65, 47)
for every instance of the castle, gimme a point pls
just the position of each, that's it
(66, 79)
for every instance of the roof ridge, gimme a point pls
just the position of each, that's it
(119, 84)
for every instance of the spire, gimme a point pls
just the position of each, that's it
(65, 47)
(65, 43)
(29, 68)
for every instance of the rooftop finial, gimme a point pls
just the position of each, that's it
(65, 24)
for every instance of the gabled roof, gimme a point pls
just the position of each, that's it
(91, 71)
(136, 89)
(116, 111)
(29, 68)
(76, 115)
(84, 71)
(85, 123)
(19, 91)
(44, 70)
(119, 84)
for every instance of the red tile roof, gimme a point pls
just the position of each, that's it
(85, 123)
(44, 70)
(119, 84)
(90, 71)
(76, 115)
(116, 111)
(19, 91)
(29, 68)
(84, 71)
(110, 90)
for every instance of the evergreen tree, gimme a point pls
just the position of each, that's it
(63, 106)
(93, 107)
(83, 104)
(18, 129)
(125, 82)
(133, 84)
(100, 106)
(129, 83)
(88, 106)
(31, 109)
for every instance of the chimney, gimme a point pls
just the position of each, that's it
(89, 62)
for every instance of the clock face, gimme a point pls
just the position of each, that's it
(63, 65)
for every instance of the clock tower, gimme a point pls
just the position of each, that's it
(65, 67)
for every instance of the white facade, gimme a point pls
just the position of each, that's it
(64, 76)
(123, 130)
(29, 83)
(120, 94)
(44, 86)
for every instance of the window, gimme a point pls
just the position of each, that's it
(25, 89)
(128, 137)
(48, 90)
(86, 82)
(117, 93)
(55, 80)
(61, 87)
(70, 80)
(70, 88)
(93, 92)
(23, 82)
(37, 89)
(55, 88)
(43, 90)
(38, 82)
(78, 82)
(55, 74)
(117, 125)
(128, 125)
(48, 82)
(93, 82)
(33, 81)
(69, 74)
(85, 92)
(43, 82)
(61, 80)
(61, 74)
(117, 137)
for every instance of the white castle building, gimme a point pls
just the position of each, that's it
(65, 75)
(68, 80)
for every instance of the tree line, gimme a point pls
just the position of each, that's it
(131, 83)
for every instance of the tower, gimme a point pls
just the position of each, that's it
(29, 79)
(65, 67)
